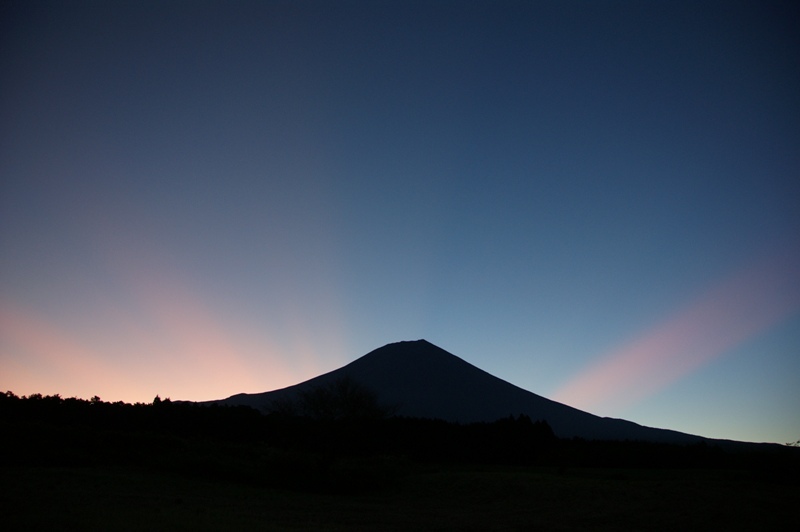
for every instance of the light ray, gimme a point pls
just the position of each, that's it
(749, 302)
(195, 346)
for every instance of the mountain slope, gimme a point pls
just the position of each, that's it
(423, 380)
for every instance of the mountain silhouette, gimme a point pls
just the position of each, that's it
(422, 380)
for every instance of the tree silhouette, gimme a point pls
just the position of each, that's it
(342, 399)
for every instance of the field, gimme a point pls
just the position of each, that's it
(422, 497)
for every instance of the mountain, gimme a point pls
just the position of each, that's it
(422, 380)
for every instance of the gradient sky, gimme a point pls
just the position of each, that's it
(596, 201)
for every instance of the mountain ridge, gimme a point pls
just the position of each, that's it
(423, 380)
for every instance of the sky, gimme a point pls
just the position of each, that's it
(597, 201)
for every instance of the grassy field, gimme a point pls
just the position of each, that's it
(87, 465)
(419, 497)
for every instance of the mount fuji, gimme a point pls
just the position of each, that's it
(422, 380)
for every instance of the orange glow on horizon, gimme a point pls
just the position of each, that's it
(189, 361)
(166, 339)
(207, 354)
(749, 302)
(53, 361)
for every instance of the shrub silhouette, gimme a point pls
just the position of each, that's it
(341, 400)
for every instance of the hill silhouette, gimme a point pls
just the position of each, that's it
(419, 379)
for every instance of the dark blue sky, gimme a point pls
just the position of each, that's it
(205, 198)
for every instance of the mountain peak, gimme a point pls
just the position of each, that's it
(407, 349)
(408, 344)
(411, 364)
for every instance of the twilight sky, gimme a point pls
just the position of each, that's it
(596, 201)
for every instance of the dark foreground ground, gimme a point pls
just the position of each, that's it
(80, 465)
(428, 497)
